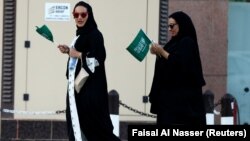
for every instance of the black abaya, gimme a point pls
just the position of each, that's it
(92, 100)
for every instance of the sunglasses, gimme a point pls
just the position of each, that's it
(83, 15)
(171, 26)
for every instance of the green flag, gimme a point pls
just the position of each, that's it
(45, 32)
(139, 46)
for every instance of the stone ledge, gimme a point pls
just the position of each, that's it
(47, 130)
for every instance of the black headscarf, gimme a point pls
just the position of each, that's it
(186, 27)
(90, 24)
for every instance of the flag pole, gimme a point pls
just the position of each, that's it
(55, 43)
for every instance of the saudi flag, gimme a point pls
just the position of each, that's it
(45, 32)
(139, 46)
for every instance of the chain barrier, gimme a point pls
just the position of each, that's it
(64, 111)
(215, 105)
(136, 111)
(32, 112)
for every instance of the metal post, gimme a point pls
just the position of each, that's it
(114, 110)
(208, 98)
(227, 102)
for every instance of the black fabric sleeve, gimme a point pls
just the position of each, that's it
(95, 50)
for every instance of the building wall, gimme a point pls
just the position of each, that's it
(120, 23)
(40, 69)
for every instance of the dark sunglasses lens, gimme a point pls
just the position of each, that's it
(76, 15)
(171, 26)
(83, 15)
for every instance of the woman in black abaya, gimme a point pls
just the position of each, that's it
(92, 100)
(176, 92)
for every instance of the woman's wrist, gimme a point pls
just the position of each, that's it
(67, 50)
(165, 54)
(80, 55)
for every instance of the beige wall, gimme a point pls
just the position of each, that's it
(119, 22)
(40, 69)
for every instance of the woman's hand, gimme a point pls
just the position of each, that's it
(158, 50)
(63, 49)
(70, 51)
(153, 48)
